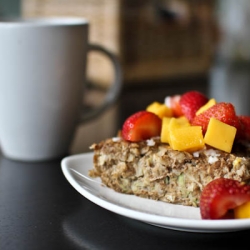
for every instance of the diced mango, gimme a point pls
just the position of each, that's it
(159, 109)
(242, 211)
(172, 123)
(179, 122)
(208, 105)
(189, 138)
(165, 129)
(220, 135)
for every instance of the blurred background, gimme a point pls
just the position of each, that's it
(165, 47)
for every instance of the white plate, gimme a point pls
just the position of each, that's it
(75, 168)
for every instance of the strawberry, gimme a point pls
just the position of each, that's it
(190, 102)
(173, 102)
(222, 111)
(244, 131)
(141, 126)
(220, 196)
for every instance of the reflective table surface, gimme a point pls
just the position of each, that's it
(39, 209)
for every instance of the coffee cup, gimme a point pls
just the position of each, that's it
(42, 84)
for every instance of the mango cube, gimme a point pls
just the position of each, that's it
(179, 122)
(242, 211)
(220, 135)
(160, 109)
(170, 124)
(208, 105)
(165, 129)
(189, 138)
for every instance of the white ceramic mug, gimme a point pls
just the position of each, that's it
(42, 84)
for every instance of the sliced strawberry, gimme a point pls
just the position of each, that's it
(244, 131)
(173, 102)
(141, 126)
(222, 111)
(190, 102)
(220, 196)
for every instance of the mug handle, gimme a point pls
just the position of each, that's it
(113, 92)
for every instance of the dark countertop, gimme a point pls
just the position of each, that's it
(39, 209)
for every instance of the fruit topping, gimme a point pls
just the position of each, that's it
(221, 197)
(242, 211)
(181, 135)
(173, 102)
(208, 105)
(169, 124)
(165, 129)
(187, 138)
(220, 135)
(224, 112)
(244, 130)
(159, 109)
(219, 123)
(191, 102)
(141, 126)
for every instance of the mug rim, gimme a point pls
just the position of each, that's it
(42, 21)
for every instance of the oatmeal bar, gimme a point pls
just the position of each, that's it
(152, 169)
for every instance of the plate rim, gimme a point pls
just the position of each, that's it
(183, 224)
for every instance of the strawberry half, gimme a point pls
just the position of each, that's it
(244, 131)
(141, 126)
(173, 102)
(190, 102)
(222, 111)
(220, 196)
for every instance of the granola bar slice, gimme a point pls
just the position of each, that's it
(153, 170)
